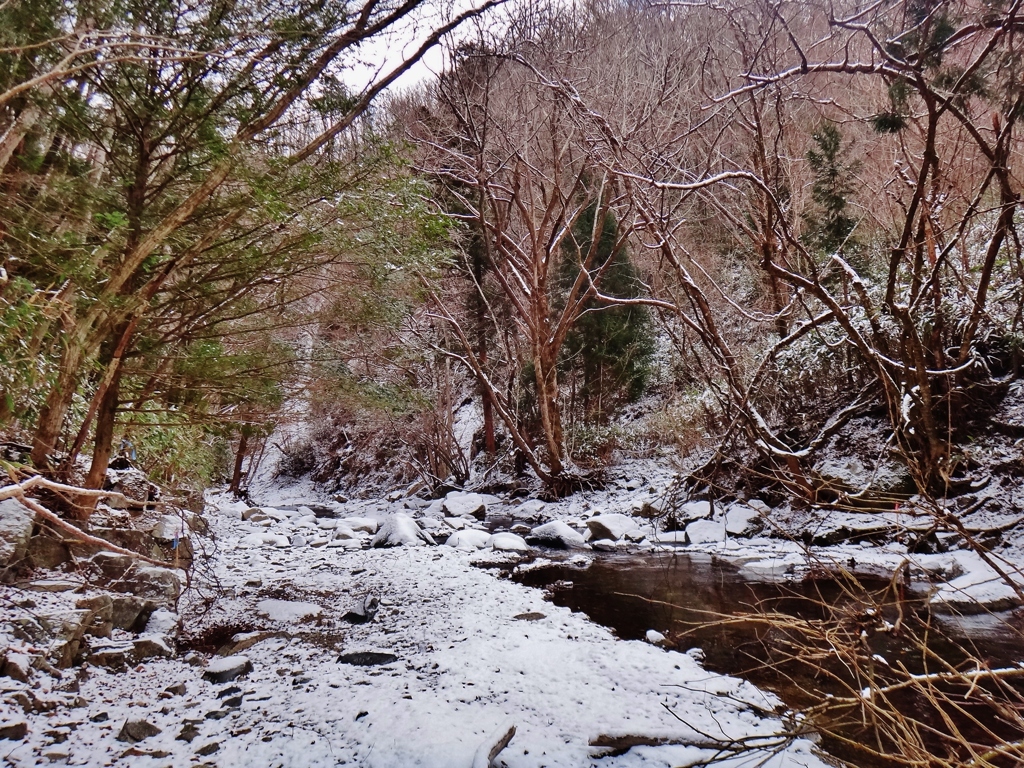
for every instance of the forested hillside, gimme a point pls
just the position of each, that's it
(769, 253)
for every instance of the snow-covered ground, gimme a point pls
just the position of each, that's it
(472, 652)
(453, 652)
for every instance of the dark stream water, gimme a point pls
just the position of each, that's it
(695, 600)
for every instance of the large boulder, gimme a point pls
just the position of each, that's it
(705, 531)
(364, 524)
(160, 584)
(469, 539)
(460, 504)
(743, 520)
(224, 669)
(557, 535)
(131, 483)
(612, 526)
(16, 522)
(401, 531)
(508, 542)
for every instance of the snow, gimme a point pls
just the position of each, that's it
(466, 665)
(469, 539)
(400, 530)
(508, 542)
(287, 610)
(611, 527)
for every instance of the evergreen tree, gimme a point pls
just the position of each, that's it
(608, 353)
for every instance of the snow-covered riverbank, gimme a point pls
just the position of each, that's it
(472, 653)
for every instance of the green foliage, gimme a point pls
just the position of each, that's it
(609, 351)
(829, 226)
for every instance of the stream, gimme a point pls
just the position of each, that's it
(686, 597)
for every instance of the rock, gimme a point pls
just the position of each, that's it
(17, 666)
(363, 611)
(130, 611)
(113, 656)
(455, 523)
(178, 689)
(134, 731)
(113, 566)
(672, 537)
(459, 504)
(655, 637)
(16, 521)
(635, 536)
(556, 535)
(14, 731)
(169, 528)
(163, 622)
(612, 527)
(131, 483)
(47, 551)
(187, 733)
(694, 510)
(161, 584)
(69, 628)
(343, 531)
(706, 531)
(227, 668)
(367, 658)
(208, 749)
(508, 542)
(252, 512)
(469, 539)
(400, 530)
(151, 647)
(743, 520)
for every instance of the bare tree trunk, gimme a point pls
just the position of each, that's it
(22, 125)
(240, 454)
(103, 444)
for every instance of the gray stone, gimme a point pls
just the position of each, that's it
(743, 520)
(458, 504)
(134, 731)
(152, 647)
(160, 584)
(132, 484)
(46, 551)
(127, 609)
(706, 531)
(612, 527)
(227, 668)
(16, 522)
(114, 656)
(556, 534)
(113, 566)
(400, 530)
